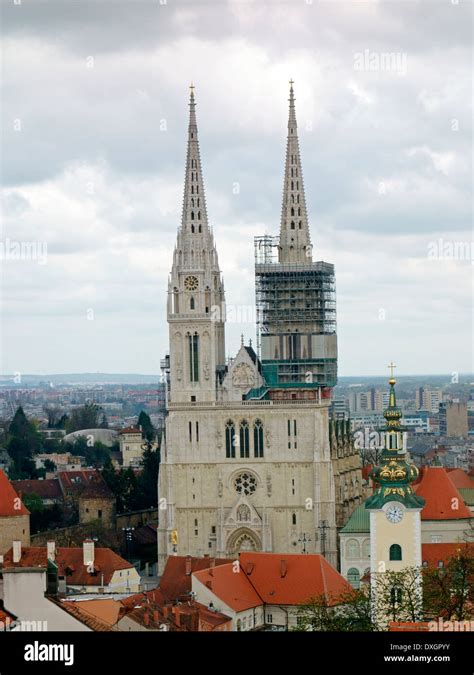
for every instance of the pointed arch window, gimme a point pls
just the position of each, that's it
(200, 229)
(258, 438)
(299, 225)
(199, 215)
(191, 303)
(207, 298)
(244, 438)
(293, 519)
(192, 215)
(193, 344)
(192, 229)
(292, 211)
(395, 552)
(292, 224)
(192, 201)
(175, 301)
(230, 439)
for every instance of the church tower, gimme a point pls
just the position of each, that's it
(195, 291)
(395, 521)
(295, 241)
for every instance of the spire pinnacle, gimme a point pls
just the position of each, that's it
(295, 241)
(194, 218)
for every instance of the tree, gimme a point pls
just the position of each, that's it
(348, 612)
(87, 416)
(448, 591)
(23, 442)
(398, 596)
(145, 424)
(49, 466)
(54, 415)
(148, 479)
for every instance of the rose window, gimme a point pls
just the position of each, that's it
(245, 484)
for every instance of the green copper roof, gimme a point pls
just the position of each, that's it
(358, 522)
(468, 495)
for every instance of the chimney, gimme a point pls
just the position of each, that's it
(88, 552)
(209, 584)
(146, 619)
(188, 565)
(16, 551)
(51, 548)
(283, 568)
(155, 616)
(165, 612)
(212, 564)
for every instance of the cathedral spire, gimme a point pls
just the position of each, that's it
(295, 241)
(194, 218)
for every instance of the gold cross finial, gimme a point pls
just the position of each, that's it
(391, 366)
(192, 88)
(291, 82)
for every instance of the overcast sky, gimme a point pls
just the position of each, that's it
(94, 117)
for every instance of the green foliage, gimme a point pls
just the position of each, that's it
(23, 442)
(88, 416)
(49, 466)
(96, 454)
(349, 612)
(134, 493)
(448, 591)
(144, 422)
(399, 596)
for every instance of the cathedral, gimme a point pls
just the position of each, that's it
(247, 459)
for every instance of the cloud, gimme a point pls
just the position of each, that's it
(94, 131)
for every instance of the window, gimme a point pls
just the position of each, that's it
(353, 577)
(197, 432)
(293, 519)
(245, 483)
(190, 432)
(353, 549)
(366, 548)
(99, 513)
(395, 552)
(396, 595)
(244, 437)
(292, 486)
(258, 438)
(191, 303)
(269, 618)
(230, 439)
(193, 341)
(239, 624)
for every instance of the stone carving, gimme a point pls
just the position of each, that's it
(206, 370)
(243, 376)
(220, 487)
(269, 485)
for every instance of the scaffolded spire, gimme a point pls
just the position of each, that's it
(194, 219)
(295, 241)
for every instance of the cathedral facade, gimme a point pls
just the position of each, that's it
(246, 456)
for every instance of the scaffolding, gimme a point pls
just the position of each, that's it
(296, 319)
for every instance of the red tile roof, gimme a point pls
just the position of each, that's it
(233, 588)
(46, 489)
(130, 430)
(443, 500)
(10, 503)
(275, 579)
(174, 582)
(294, 578)
(409, 626)
(460, 478)
(70, 562)
(79, 613)
(433, 554)
(85, 484)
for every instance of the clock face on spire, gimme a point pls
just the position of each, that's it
(191, 283)
(394, 513)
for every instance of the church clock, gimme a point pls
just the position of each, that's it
(191, 283)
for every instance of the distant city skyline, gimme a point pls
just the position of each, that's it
(94, 134)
